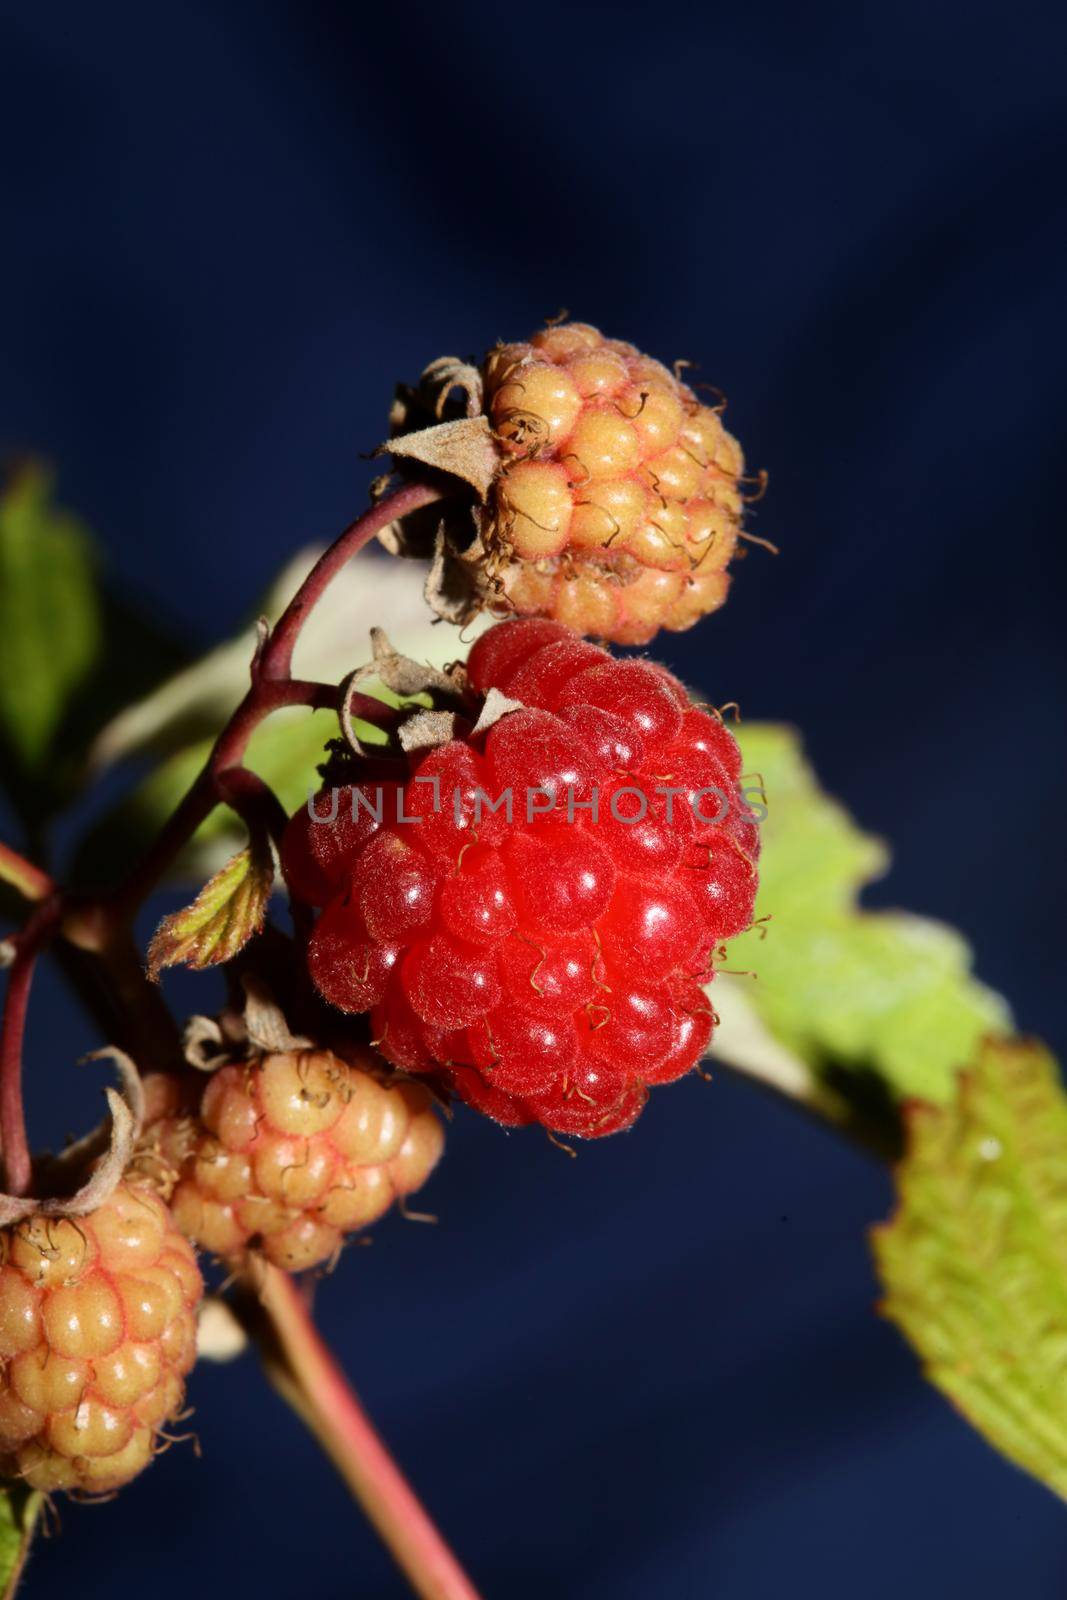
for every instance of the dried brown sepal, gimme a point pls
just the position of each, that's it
(425, 730)
(408, 678)
(204, 1044)
(443, 377)
(452, 590)
(495, 706)
(463, 446)
(102, 1156)
(260, 1028)
(464, 449)
(350, 688)
(266, 1028)
(432, 398)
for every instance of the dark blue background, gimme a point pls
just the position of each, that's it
(654, 1371)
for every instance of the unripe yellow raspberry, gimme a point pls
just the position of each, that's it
(97, 1333)
(287, 1153)
(610, 497)
(618, 505)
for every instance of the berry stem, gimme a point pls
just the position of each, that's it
(272, 688)
(209, 788)
(101, 927)
(18, 1167)
(254, 801)
(277, 656)
(30, 881)
(17, 1164)
(309, 1379)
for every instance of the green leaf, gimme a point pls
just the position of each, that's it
(850, 994)
(229, 909)
(974, 1262)
(49, 615)
(19, 1510)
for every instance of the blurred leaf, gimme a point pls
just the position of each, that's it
(285, 751)
(139, 651)
(72, 650)
(19, 1509)
(882, 1003)
(181, 718)
(974, 1262)
(49, 614)
(229, 909)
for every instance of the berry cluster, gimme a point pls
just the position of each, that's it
(97, 1332)
(287, 1154)
(549, 965)
(618, 507)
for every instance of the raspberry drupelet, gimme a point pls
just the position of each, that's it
(286, 1153)
(618, 505)
(97, 1333)
(550, 965)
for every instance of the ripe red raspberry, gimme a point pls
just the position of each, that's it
(287, 1154)
(97, 1332)
(618, 507)
(550, 965)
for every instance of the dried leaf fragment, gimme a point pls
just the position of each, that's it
(464, 449)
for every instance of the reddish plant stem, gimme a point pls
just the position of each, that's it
(101, 927)
(254, 801)
(17, 1164)
(30, 881)
(296, 1357)
(272, 688)
(277, 656)
(305, 1373)
(18, 1167)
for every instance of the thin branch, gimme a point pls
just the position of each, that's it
(264, 697)
(18, 1166)
(277, 654)
(306, 1375)
(254, 802)
(272, 688)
